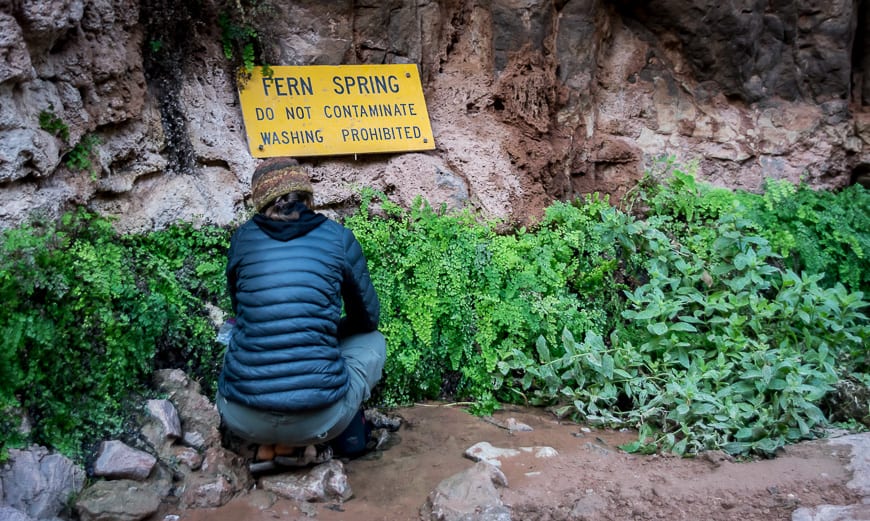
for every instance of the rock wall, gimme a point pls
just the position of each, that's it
(530, 100)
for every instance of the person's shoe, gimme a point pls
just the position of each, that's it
(264, 460)
(284, 450)
(305, 456)
(258, 468)
(265, 453)
(353, 441)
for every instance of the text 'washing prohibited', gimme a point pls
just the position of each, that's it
(335, 109)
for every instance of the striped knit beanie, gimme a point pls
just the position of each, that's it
(275, 177)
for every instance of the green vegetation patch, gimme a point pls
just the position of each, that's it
(88, 315)
(702, 317)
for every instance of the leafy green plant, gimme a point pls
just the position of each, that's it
(53, 124)
(185, 264)
(729, 352)
(241, 39)
(77, 337)
(455, 294)
(816, 231)
(81, 156)
(420, 263)
(155, 46)
(704, 323)
(88, 315)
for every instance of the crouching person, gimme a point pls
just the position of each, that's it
(296, 371)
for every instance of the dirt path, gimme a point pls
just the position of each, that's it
(591, 479)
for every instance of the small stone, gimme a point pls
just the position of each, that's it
(470, 494)
(545, 452)
(188, 456)
(194, 439)
(308, 509)
(596, 448)
(207, 492)
(541, 452)
(484, 451)
(382, 439)
(167, 415)
(380, 420)
(323, 483)
(514, 425)
(116, 460)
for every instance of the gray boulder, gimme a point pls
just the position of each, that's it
(38, 483)
(13, 514)
(470, 495)
(117, 460)
(325, 482)
(121, 500)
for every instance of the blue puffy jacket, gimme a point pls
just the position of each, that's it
(287, 281)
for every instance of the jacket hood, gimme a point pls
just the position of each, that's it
(287, 230)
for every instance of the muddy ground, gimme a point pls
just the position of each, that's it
(591, 479)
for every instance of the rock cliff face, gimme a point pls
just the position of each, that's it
(130, 107)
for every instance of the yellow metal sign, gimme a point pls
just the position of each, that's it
(319, 110)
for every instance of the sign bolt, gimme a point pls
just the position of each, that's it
(261, 147)
(407, 74)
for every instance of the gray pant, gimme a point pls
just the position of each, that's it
(364, 355)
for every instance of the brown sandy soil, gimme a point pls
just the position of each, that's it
(591, 479)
